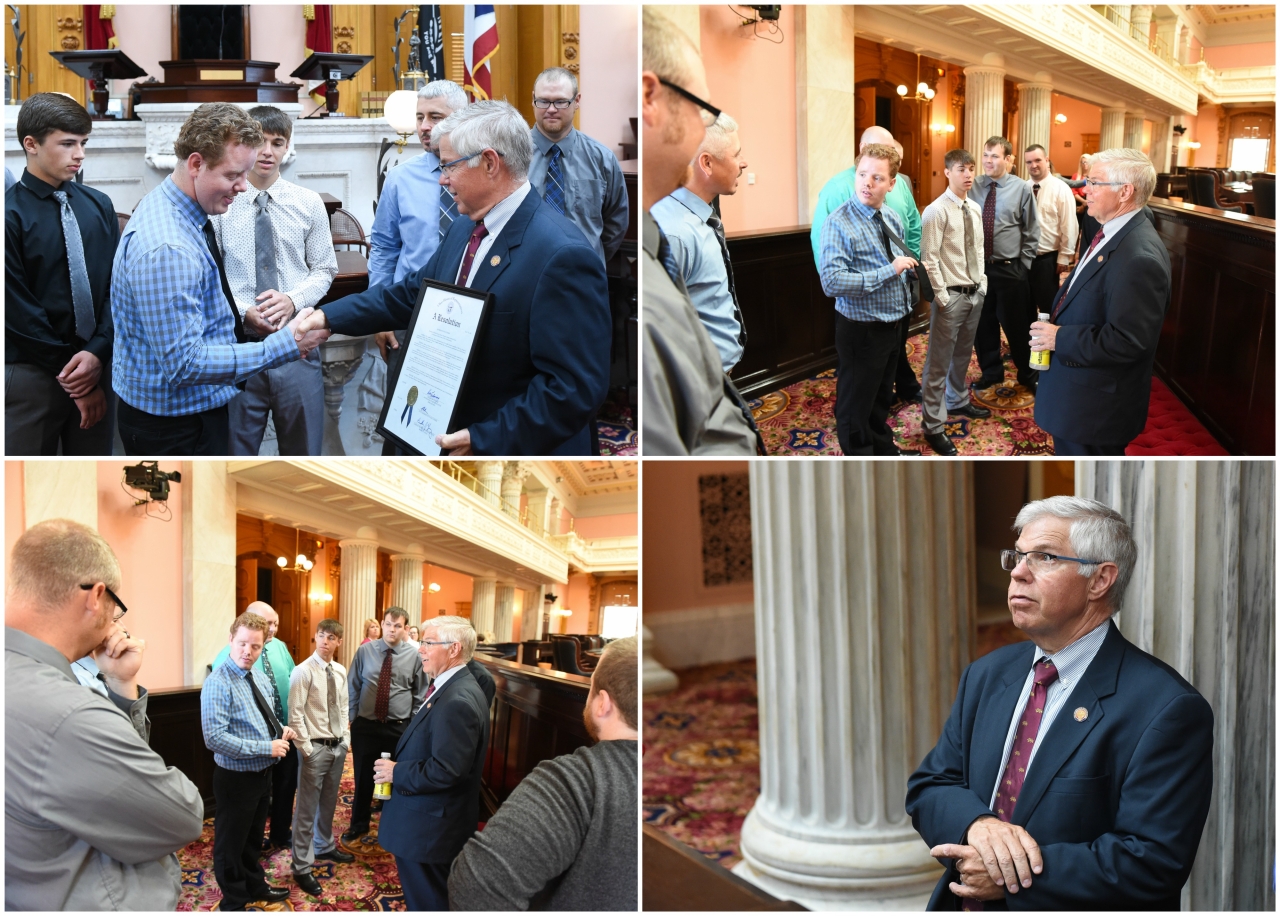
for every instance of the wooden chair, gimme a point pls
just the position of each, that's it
(1264, 197)
(122, 218)
(346, 230)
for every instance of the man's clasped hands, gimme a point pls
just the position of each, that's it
(998, 856)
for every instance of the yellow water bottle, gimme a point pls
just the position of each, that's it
(383, 789)
(1040, 358)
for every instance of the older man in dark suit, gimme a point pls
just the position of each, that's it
(542, 361)
(435, 771)
(1106, 318)
(1075, 770)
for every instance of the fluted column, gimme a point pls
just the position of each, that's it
(554, 526)
(1161, 134)
(1122, 16)
(1202, 599)
(1112, 135)
(540, 511)
(357, 587)
(1133, 129)
(1035, 108)
(1167, 37)
(483, 595)
(864, 603)
(654, 678)
(406, 581)
(1141, 22)
(513, 475)
(504, 609)
(489, 473)
(1184, 45)
(983, 103)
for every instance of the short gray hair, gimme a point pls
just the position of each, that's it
(454, 629)
(488, 125)
(52, 559)
(1132, 167)
(718, 134)
(448, 90)
(557, 74)
(1098, 532)
(666, 48)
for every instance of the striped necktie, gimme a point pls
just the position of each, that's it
(555, 181)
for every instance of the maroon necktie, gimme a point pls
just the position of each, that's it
(478, 233)
(1097, 240)
(383, 702)
(1015, 772)
(989, 222)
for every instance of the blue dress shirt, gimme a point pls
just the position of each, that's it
(696, 256)
(855, 267)
(234, 728)
(176, 352)
(406, 231)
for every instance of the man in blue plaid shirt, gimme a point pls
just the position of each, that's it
(180, 342)
(247, 740)
(864, 266)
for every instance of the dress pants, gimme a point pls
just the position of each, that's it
(319, 777)
(370, 739)
(1066, 447)
(294, 395)
(1008, 306)
(237, 826)
(1044, 283)
(284, 783)
(946, 364)
(867, 353)
(41, 419)
(905, 383)
(148, 435)
(426, 885)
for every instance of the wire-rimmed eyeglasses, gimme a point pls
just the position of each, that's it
(1038, 561)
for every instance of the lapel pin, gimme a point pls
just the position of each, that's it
(1099, 259)
(1081, 714)
(495, 260)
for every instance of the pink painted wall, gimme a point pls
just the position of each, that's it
(672, 546)
(454, 587)
(608, 526)
(14, 513)
(1082, 118)
(278, 33)
(576, 597)
(610, 62)
(144, 31)
(754, 80)
(1204, 128)
(1262, 54)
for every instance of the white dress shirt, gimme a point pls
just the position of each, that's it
(497, 217)
(1059, 228)
(942, 245)
(305, 260)
(1110, 229)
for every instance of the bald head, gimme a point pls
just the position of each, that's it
(875, 135)
(267, 613)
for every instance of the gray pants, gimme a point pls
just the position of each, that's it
(318, 779)
(41, 419)
(951, 332)
(294, 394)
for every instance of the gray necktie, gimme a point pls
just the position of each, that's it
(275, 688)
(970, 254)
(264, 245)
(717, 226)
(335, 719)
(81, 294)
(448, 211)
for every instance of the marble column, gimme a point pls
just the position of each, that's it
(1141, 25)
(208, 498)
(1161, 135)
(1184, 45)
(531, 615)
(489, 473)
(1122, 16)
(864, 593)
(1202, 599)
(504, 609)
(513, 475)
(654, 679)
(357, 587)
(1035, 108)
(983, 103)
(554, 526)
(1112, 135)
(1133, 129)
(62, 489)
(825, 99)
(406, 581)
(540, 511)
(483, 595)
(1166, 37)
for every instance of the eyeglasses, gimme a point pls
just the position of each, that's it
(709, 112)
(446, 167)
(557, 104)
(1038, 561)
(121, 610)
(1106, 184)
(434, 642)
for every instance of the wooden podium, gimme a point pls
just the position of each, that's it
(252, 81)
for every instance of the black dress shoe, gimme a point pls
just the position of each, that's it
(352, 835)
(971, 410)
(941, 444)
(908, 453)
(336, 855)
(275, 893)
(309, 884)
(983, 383)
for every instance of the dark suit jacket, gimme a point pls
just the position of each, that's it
(542, 362)
(1098, 386)
(1117, 802)
(435, 793)
(483, 678)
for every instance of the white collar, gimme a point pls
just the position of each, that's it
(501, 212)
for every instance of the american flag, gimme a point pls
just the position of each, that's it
(480, 35)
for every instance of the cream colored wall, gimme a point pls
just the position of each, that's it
(60, 489)
(209, 562)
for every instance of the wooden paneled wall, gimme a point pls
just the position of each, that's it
(56, 27)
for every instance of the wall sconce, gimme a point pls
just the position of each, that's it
(300, 564)
(1060, 118)
(942, 128)
(1191, 144)
(923, 92)
(320, 596)
(433, 587)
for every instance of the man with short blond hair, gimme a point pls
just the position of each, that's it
(1059, 228)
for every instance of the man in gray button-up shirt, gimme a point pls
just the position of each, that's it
(92, 814)
(592, 194)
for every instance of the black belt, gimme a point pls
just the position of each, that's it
(327, 742)
(1047, 254)
(1004, 260)
(965, 290)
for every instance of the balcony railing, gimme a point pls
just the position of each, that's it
(1121, 20)
(462, 474)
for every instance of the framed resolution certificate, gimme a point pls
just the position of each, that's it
(436, 357)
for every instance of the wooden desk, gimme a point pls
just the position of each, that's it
(177, 736)
(353, 276)
(679, 878)
(331, 203)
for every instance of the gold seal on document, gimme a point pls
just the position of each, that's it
(495, 260)
(1081, 714)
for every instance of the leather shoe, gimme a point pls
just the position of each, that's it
(983, 383)
(275, 893)
(336, 855)
(908, 453)
(941, 444)
(352, 835)
(971, 410)
(309, 884)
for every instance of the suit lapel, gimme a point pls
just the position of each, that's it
(499, 254)
(1096, 262)
(425, 710)
(990, 733)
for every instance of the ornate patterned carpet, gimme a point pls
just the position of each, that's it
(702, 758)
(371, 882)
(617, 428)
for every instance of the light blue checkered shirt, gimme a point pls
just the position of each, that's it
(1072, 662)
(855, 268)
(175, 351)
(234, 728)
